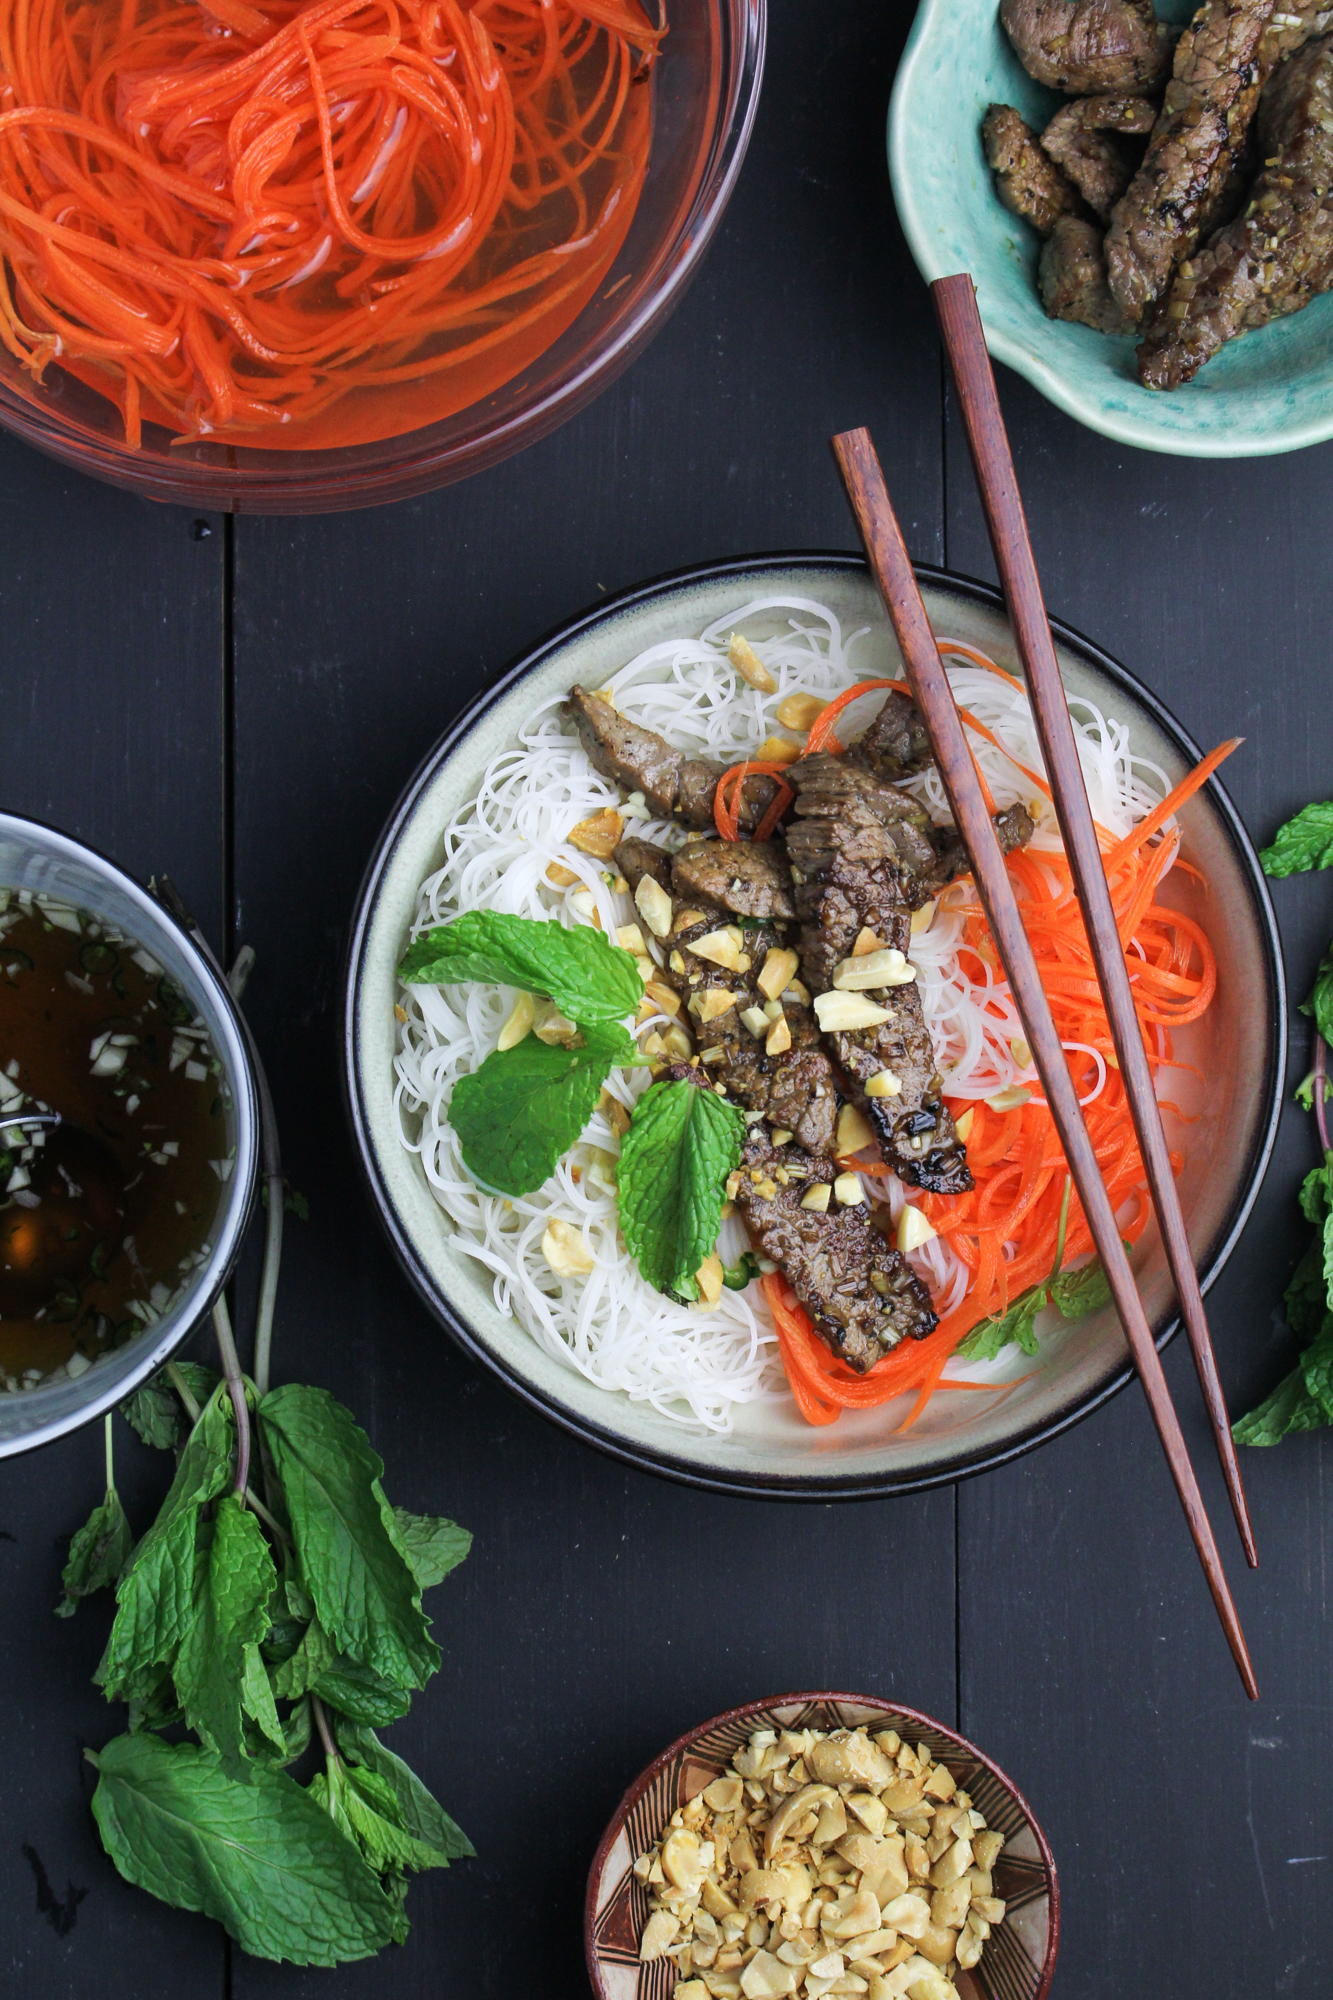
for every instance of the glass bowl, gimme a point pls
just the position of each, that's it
(38, 858)
(705, 93)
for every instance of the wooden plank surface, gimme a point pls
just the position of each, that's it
(1189, 1826)
(112, 673)
(602, 1611)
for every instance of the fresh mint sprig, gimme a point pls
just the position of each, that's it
(261, 1624)
(589, 979)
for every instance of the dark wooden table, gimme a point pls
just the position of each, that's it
(240, 702)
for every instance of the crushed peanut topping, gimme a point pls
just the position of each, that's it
(822, 1864)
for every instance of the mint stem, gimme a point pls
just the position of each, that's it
(1320, 1072)
(231, 1369)
(182, 1388)
(110, 1472)
(322, 1725)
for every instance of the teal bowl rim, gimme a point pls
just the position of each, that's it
(1121, 427)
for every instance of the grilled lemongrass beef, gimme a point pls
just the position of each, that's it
(642, 761)
(1072, 278)
(847, 869)
(1086, 140)
(1029, 184)
(1277, 256)
(815, 1224)
(1080, 46)
(1196, 145)
(896, 742)
(748, 1013)
(750, 878)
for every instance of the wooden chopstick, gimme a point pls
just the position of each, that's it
(960, 323)
(893, 573)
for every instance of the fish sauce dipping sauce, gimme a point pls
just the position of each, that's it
(103, 1216)
(306, 226)
(989, 1270)
(128, 1133)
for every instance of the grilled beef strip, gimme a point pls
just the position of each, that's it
(1072, 278)
(897, 743)
(1294, 23)
(862, 1295)
(748, 877)
(859, 1290)
(1080, 46)
(1188, 170)
(796, 1090)
(1029, 184)
(1277, 256)
(847, 869)
(643, 761)
(1086, 139)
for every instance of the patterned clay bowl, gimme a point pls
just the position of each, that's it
(1270, 391)
(1019, 1960)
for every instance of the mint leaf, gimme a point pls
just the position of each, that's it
(297, 1674)
(682, 1143)
(1316, 1368)
(262, 1858)
(1079, 1293)
(1306, 1297)
(1304, 1091)
(362, 1587)
(432, 1545)
(1304, 842)
(233, 1585)
(525, 1106)
(257, 1697)
(373, 1811)
(1316, 1195)
(418, 1811)
(588, 978)
(990, 1337)
(154, 1411)
(97, 1554)
(1290, 1408)
(1320, 1003)
(361, 1693)
(155, 1597)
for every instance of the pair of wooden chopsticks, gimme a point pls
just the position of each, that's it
(955, 302)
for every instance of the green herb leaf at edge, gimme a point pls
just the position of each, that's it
(261, 1858)
(372, 1813)
(1305, 842)
(361, 1693)
(97, 1554)
(432, 1545)
(233, 1584)
(1290, 1408)
(297, 1674)
(682, 1143)
(1305, 1300)
(155, 1597)
(363, 1589)
(419, 1811)
(155, 1410)
(1083, 1291)
(257, 1696)
(1316, 1367)
(990, 1337)
(590, 979)
(1320, 1003)
(524, 1108)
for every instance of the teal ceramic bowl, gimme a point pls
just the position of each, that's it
(1270, 391)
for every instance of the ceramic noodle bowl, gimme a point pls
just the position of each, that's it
(1018, 1961)
(1236, 1046)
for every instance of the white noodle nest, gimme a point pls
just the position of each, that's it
(694, 1366)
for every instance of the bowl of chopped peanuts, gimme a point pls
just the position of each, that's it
(822, 1844)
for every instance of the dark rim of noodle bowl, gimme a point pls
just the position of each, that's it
(815, 1486)
(104, 1394)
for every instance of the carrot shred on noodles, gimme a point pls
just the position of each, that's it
(306, 223)
(1005, 1229)
(727, 799)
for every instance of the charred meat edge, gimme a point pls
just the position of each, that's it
(795, 1090)
(847, 871)
(1277, 256)
(1080, 46)
(642, 761)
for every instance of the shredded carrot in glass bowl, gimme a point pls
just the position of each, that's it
(310, 225)
(1006, 1229)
